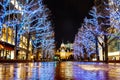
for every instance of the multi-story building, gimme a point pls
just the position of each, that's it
(8, 41)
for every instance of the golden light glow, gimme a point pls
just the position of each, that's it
(1, 46)
(113, 53)
(7, 35)
(32, 56)
(92, 67)
(63, 54)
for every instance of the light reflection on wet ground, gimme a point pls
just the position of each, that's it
(60, 71)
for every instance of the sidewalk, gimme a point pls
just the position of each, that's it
(25, 61)
(15, 61)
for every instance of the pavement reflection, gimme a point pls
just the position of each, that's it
(59, 71)
(64, 71)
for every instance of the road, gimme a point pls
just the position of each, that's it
(60, 71)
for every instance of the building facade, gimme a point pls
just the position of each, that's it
(65, 52)
(11, 46)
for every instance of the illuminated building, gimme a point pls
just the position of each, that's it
(65, 51)
(9, 35)
(7, 43)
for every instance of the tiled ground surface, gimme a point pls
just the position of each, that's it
(59, 71)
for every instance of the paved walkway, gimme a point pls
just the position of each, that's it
(60, 71)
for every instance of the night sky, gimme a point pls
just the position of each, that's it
(67, 16)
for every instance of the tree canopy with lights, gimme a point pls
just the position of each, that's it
(102, 29)
(29, 17)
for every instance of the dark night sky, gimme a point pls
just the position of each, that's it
(67, 15)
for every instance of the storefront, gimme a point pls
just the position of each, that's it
(22, 54)
(6, 50)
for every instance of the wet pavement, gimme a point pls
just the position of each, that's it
(60, 71)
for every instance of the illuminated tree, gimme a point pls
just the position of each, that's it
(84, 44)
(103, 27)
(37, 15)
(108, 22)
(31, 18)
(115, 13)
(78, 46)
(90, 30)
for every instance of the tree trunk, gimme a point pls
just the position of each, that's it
(15, 49)
(28, 43)
(96, 45)
(85, 54)
(43, 54)
(106, 48)
(37, 55)
(103, 54)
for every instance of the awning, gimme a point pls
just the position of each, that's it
(1, 46)
(7, 46)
